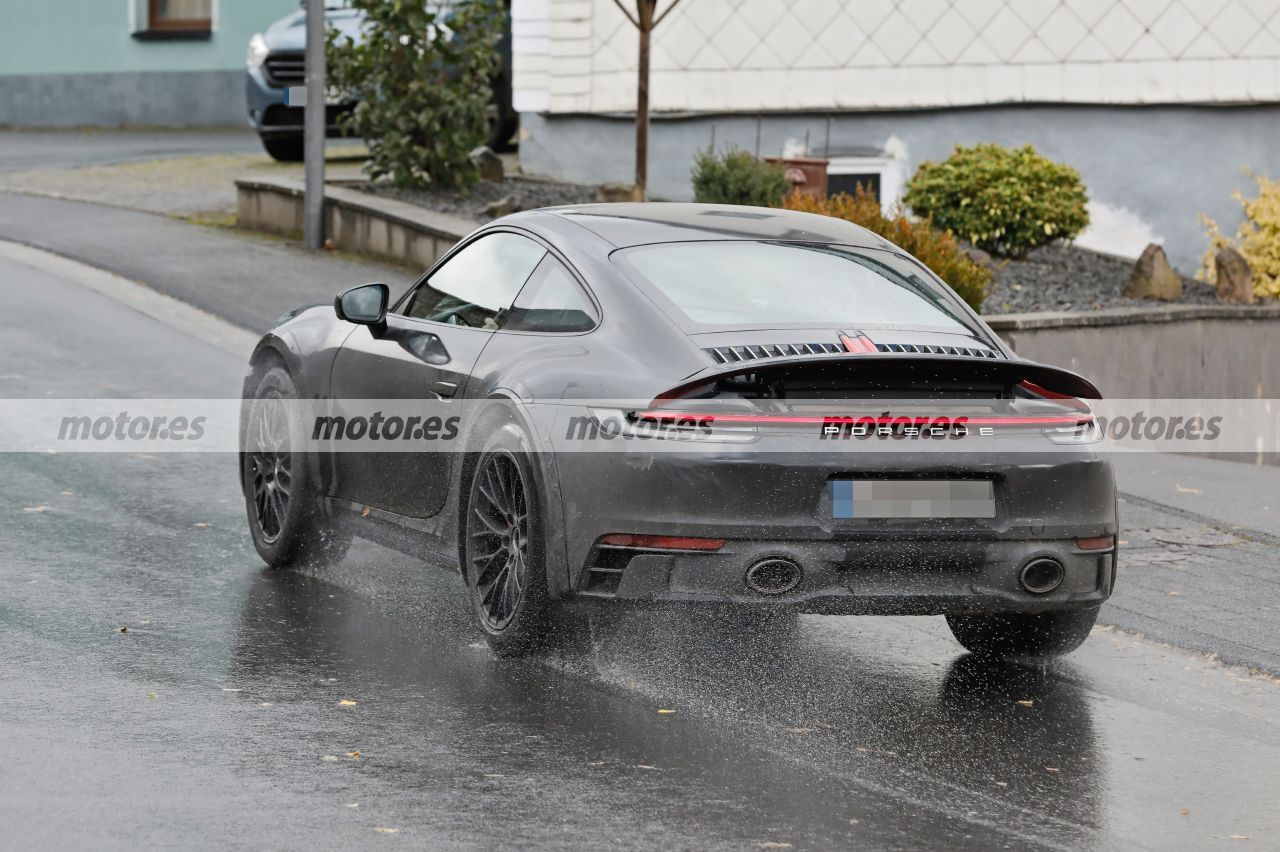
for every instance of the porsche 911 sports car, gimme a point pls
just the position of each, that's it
(805, 419)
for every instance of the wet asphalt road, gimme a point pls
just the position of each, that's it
(216, 720)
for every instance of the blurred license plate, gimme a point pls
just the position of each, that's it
(912, 498)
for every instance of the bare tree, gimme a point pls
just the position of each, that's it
(646, 17)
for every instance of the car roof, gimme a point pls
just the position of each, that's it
(632, 224)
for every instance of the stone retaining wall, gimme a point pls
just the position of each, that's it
(1181, 351)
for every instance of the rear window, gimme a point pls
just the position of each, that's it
(744, 283)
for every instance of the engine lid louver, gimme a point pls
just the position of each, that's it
(761, 351)
(924, 349)
(757, 351)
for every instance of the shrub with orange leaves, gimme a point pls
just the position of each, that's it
(935, 249)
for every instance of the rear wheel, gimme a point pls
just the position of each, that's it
(1024, 635)
(504, 551)
(281, 498)
(284, 149)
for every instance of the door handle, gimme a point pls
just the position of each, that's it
(444, 390)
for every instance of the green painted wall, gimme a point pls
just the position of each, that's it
(94, 36)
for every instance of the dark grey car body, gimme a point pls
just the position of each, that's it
(763, 504)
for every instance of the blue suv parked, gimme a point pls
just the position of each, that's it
(275, 62)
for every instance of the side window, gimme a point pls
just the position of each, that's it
(551, 301)
(478, 283)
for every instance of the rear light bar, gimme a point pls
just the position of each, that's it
(1102, 542)
(817, 420)
(661, 542)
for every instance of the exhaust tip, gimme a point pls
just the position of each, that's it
(773, 576)
(1041, 575)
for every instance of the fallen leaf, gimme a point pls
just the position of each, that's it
(124, 630)
(1186, 811)
(1002, 783)
(201, 525)
(1174, 594)
(352, 805)
(1240, 836)
(67, 493)
(41, 508)
(384, 830)
(266, 704)
(354, 755)
(230, 689)
(346, 702)
(153, 696)
(328, 758)
(1182, 490)
(665, 712)
(1052, 769)
(365, 513)
(1027, 702)
(645, 766)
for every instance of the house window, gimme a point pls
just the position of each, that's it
(880, 174)
(175, 18)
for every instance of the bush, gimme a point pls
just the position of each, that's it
(1257, 238)
(737, 177)
(422, 99)
(1005, 201)
(935, 249)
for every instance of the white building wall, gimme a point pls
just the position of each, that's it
(576, 56)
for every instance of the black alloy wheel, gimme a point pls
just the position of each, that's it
(270, 470)
(498, 539)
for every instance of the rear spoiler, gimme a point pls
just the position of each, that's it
(946, 369)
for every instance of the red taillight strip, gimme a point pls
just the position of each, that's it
(793, 419)
(1045, 393)
(1102, 542)
(661, 542)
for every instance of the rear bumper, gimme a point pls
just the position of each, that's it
(882, 577)
(767, 505)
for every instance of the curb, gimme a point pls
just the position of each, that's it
(354, 221)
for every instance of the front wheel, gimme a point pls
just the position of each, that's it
(284, 149)
(505, 554)
(1044, 634)
(281, 498)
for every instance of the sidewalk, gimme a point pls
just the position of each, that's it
(1198, 563)
(245, 279)
(1228, 493)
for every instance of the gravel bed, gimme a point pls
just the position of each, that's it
(530, 193)
(1068, 278)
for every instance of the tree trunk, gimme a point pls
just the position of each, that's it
(642, 106)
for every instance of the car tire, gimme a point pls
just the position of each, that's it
(1045, 634)
(284, 149)
(504, 551)
(282, 499)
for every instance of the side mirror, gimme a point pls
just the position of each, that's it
(363, 305)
